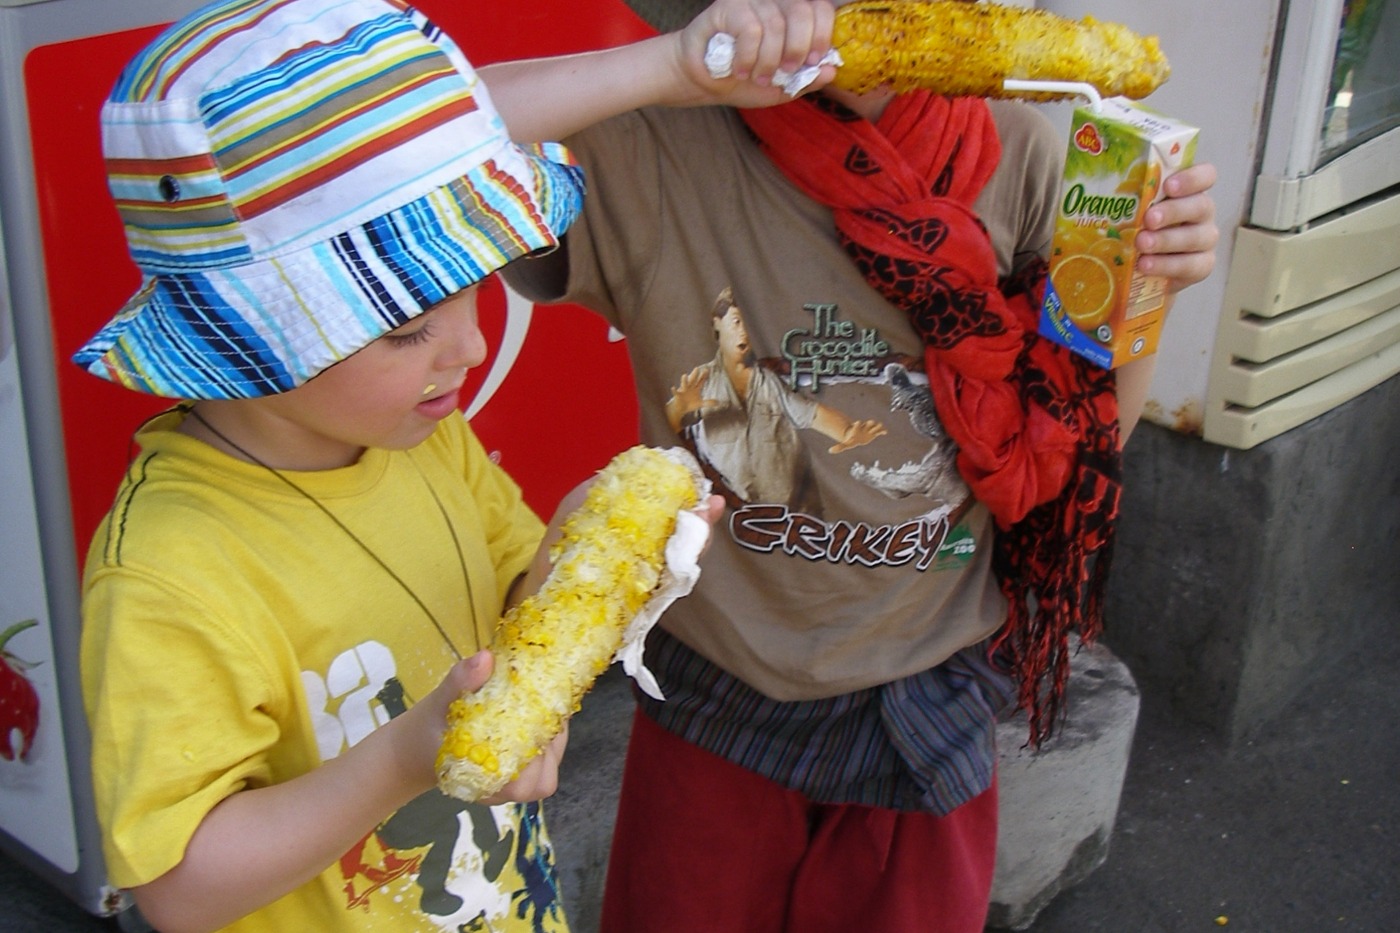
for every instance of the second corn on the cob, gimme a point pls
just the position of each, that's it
(971, 49)
(555, 643)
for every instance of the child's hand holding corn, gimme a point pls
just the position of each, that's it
(611, 558)
(539, 778)
(768, 37)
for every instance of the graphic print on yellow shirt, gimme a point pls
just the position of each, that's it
(744, 418)
(467, 867)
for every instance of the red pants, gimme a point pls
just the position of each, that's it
(705, 846)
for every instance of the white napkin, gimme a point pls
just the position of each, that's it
(678, 578)
(719, 61)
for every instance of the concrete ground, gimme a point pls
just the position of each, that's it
(1297, 831)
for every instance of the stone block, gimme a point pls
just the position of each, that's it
(1058, 805)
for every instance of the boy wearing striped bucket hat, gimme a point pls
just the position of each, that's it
(309, 554)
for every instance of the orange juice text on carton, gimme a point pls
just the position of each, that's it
(1095, 302)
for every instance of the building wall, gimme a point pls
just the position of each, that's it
(1240, 576)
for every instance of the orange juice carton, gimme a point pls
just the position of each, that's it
(1096, 303)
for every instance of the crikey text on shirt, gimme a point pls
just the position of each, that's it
(832, 347)
(774, 527)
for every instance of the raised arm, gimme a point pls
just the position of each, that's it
(550, 98)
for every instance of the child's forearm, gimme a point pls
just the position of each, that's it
(1134, 380)
(551, 98)
(260, 844)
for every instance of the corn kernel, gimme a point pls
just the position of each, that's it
(555, 643)
(970, 49)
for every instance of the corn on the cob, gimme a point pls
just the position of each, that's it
(554, 644)
(970, 49)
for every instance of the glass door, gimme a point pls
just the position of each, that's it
(1363, 100)
(1333, 135)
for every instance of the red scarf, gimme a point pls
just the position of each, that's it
(1036, 426)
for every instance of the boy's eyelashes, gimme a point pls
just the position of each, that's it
(409, 338)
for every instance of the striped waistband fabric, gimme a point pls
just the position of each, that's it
(924, 743)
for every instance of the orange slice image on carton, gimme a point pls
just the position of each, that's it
(1087, 286)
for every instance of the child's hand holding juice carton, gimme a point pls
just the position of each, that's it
(1096, 303)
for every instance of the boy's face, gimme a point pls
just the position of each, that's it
(391, 394)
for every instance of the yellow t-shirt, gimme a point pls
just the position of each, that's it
(234, 636)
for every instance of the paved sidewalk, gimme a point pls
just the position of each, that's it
(1295, 832)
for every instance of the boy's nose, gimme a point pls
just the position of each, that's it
(468, 347)
(465, 346)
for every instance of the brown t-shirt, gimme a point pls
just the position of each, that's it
(832, 571)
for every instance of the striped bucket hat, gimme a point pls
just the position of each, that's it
(298, 177)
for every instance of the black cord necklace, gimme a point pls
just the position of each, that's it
(451, 530)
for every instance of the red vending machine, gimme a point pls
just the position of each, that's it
(66, 435)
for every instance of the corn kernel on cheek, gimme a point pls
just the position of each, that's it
(971, 49)
(551, 647)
